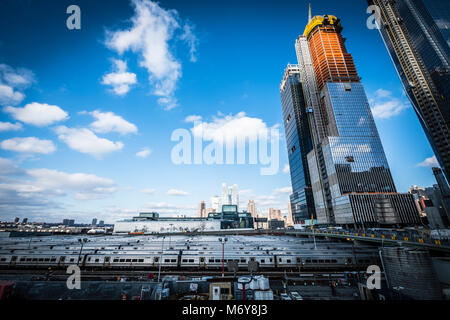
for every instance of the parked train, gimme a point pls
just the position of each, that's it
(184, 253)
(190, 260)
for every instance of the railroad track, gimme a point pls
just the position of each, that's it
(60, 275)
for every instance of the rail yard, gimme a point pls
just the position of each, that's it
(169, 265)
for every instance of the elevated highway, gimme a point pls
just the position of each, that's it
(418, 242)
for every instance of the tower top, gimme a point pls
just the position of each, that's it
(321, 20)
(309, 14)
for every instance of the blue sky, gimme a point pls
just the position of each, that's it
(87, 115)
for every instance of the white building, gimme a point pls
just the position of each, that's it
(163, 225)
(201, 212)
(216, 203)
(230, 195)
(251, 208)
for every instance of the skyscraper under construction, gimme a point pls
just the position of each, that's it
(349, 175)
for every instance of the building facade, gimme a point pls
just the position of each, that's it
(417, 36)
(152, 223)
(251, 208)
(216, 203)
(430, 204)
(444, 191)
(299, 142)
(350, 177)
(230, 195)
(274, 214)
(201, 211)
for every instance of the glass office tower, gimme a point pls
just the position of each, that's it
(350, 177)
(299, 144)
(417, 36)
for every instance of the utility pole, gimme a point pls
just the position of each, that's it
(384, 269)
(160, 258)
(314, 235)
(223, 255)
(81, 249)
(170, 234)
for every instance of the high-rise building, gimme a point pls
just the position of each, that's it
(235, 195)
(444, 190)
(251, 208)
(230, 195)
(208, 211)
(16, 220)
(94, 222)
(216, 203)
(417, 36)
(275, 214)
(68, 222)
(429, 202)
(299, 143)
(275, 219)
(350, 177)
(201, 212)
(25, 220)
(101, 223)
(290, 217)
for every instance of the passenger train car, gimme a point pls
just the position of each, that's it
(141, 253)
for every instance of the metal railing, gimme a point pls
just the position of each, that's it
(387, 236)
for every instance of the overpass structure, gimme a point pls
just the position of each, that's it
(418, 242)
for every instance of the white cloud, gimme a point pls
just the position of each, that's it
(175, 192)
(148, 191)
(264, 205)
(20, 77)
(85, 141)
(8, 167)
(8, 126)
(95, 194)
(163, 207)
(144, 153)
(429, 162)
(9, 96)
(149, 36)
(120, 79)
(28, 145)
(38, 114)
(286, 169)
(189, 37)
(266, 197)
(286, 190)
(11, 81)
(109, 122)
(385, 105)
(381, 93)
(80, 182)
(39, 186)
(229, 128)
(193, 118)
(245, 192)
